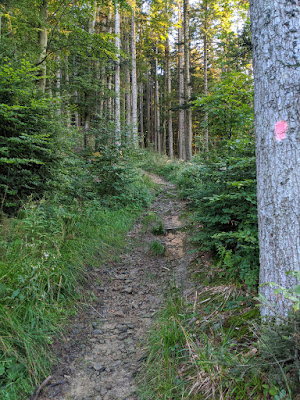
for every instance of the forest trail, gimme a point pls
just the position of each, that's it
(100, 356)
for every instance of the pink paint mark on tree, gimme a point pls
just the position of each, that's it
(280, 130)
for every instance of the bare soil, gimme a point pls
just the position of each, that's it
(100, 357)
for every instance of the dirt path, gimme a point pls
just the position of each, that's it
(100, 357)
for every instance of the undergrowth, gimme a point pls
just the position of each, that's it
(46, 251)
(213, 344)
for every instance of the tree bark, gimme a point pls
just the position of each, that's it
(128, 88)
(206, 136)
(187, 83)
(275, 33)
(142, 114)
(157, 108)
(148, 105)
(169, 99)
(43, 42)
(181, 130)
(117, 79)
(134, 81)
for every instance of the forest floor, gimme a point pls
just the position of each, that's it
(99, 357)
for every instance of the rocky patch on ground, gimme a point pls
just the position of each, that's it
(100, 357)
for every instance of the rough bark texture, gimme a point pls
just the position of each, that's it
(181, 129)
(134, 82)
(128, 88)
(157, 109)
(187, 83)
(169, 92)
(142, 114)
(148, 105)
(205, 43)
(117, 79)
(43, 41)
(275, 33)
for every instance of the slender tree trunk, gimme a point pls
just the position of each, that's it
(134, 81)
(181, 130)
(109, 79)
(117, 78)
(128, 89)
(169, 99)
(76, 96)
(157, 107)
(148, 105)
(67, 77)
(275, 34)
(205, 45)
(0, 25)
(58, 84)
(43, 42)
(187, 83)
(142, 114)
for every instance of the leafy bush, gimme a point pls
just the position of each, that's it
(224, 198)
(229, 106)
(28, 152)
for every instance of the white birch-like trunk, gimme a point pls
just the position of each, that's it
(43, 42)
(134, 81)
(117, 79)
(275, 34)
(181, 130)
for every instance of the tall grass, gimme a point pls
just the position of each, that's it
(45, 253)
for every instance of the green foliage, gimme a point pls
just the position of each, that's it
(229, 106)
(224, 199)
(44, 255)
(157, 248)
(28, 154)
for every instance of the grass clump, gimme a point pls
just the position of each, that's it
(156, 248)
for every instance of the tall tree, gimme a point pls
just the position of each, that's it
(187, 83)
(134, 80)
(169, 99)
(43, 41)
(275, 35)
(181, 130)
(117, 78)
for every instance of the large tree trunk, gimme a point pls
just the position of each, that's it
(169, 99)
(117, 79)
(43, 42)
(181, 130)
(275, 33)
(134, 81)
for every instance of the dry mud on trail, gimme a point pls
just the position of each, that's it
(101, 355)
